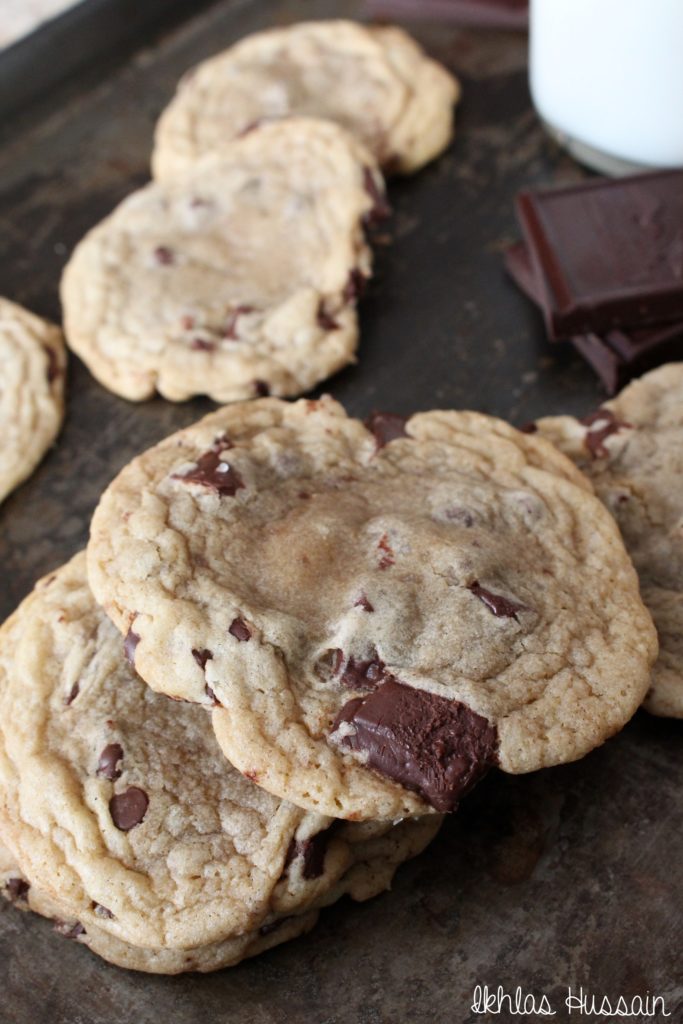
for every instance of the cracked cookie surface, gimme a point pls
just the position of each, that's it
(380, 614)
(632, 450)
(117, 804)
(31, 392)
(375, 81)
(237, 279)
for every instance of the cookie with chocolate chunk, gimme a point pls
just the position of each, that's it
(632, 450)
(118, 804)
(377, 613)
(31, 392)
(374, 80)
(238, 279)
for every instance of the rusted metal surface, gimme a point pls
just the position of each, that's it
(569, 877)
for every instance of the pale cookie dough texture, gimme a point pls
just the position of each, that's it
(118, 808)
(375, 81)
(632, 450)
(381, 613)
(33, 361)
(238, 279)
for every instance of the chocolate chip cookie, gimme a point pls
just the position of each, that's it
(374, 80)
(377, 613)
(117, 804)
(31, 392)
(238, 279)
(632, 450)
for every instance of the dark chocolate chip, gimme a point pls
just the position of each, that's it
(17, 889)
(386, 426)
(364, 675)
(200, 345)
(129, 646)
(201, 657)
(240, 630)
(109, 759)
(69, 931)
(601, 424)
(380, 210)
(213, 472)
(528, 428)
(363, 603)
(325, 320)
(312, 851)
(262, 388)
(73, 693)
(231, 326)
(437, 747)
(164, 255)
(501, 606)
(129, 808)
(355, 286)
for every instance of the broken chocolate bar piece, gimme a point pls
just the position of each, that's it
(437, 747)
(492, 14)
(618, 355)
(607, 253)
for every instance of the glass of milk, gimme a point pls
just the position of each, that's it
(607, 80)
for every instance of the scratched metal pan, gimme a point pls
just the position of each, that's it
(571, 877)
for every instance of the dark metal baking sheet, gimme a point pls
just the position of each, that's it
(570, 877)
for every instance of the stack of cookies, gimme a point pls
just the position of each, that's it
(298, 640)
(355, 622)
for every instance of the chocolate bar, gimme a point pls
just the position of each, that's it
(617, 356)
(607, 253)
(493, 14)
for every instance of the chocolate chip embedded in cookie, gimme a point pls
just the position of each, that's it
(231, 280)
(407, 613)
(119, 804)
(31, 392)
(632, 450)
(374, 80)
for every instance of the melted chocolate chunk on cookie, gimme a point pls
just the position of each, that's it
(380, 209)
(230, 331)
(502, 607)
(200, 345)
(17, 889)
(363, 603)
(129, 645)
(325, 319)
(129, 808)
(164, 255)
(201, 657)
(261, 388)
(109, 759)
(364, 674)
(213, 472)
(386, 426)
(528, 428)
(601, 424)
(69, 931)
(436, 747)
(312, 851)
(355, 286)
(240, 630)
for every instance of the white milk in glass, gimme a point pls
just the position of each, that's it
(607, 79)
